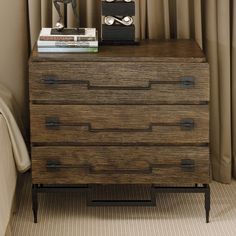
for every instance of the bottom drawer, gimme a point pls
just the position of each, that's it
(120, 165)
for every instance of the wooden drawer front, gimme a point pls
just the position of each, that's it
(110, 165)
(120, 124)
(119, 83)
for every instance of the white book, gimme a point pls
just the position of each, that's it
(90, 35)
(82, 44)
(66, 50)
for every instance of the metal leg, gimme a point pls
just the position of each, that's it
(207, 202)
(197, 189)
(35, 202)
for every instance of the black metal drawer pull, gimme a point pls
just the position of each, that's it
(113, 170)
(50, 79)
(187, 124)
(57, 166)
(188, 165)
(54, 165)
(185, 82)
(54, 123)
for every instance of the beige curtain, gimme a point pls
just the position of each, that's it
(14, 50)
(211, 23)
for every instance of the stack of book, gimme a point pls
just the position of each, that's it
(85, 40)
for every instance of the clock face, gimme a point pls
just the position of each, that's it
(119, 12)
(118, 21)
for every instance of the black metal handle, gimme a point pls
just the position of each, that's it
(187, 81)
(50, 79)
(187, 124)
(55, 165)
(52, 123)
(187, 165)
(121, 171)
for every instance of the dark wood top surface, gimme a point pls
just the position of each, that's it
(149, 50)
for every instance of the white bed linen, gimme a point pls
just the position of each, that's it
(8, 176)
(14, 156)
(9, 111)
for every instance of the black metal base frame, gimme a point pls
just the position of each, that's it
(205, 188)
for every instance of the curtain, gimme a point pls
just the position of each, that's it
(14, 50)
(211, 23)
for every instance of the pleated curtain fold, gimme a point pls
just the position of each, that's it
(212, 23)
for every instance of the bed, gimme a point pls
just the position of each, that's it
(14, 157)
(8, 177)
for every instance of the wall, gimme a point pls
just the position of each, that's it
(14, 49)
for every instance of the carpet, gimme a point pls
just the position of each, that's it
(66, 214)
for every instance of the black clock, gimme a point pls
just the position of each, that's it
(118, 22)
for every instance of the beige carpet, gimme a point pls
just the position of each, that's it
(65, 214)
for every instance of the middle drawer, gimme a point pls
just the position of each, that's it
(121, 124)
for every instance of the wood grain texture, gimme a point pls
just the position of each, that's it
(149, 50)
(117, 116)
(119, 124)
(119, 83)
(119, 165)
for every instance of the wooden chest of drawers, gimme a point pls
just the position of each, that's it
(127, 115)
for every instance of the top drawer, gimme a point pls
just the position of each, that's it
(119, 83)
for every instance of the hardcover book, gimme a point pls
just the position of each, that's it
(88, 35)
(66, 50)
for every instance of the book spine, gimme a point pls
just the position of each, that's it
(67, 50)
(86, 44)
(57, 38)
(67, 38)
(81, 38)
